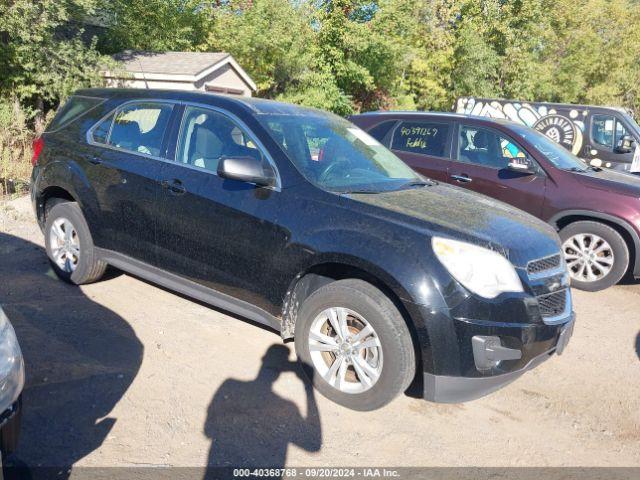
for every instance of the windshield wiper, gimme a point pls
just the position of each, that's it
(347, 192)
(416, 183)
(575, 169)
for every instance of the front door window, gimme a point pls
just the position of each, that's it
(486, 148)
(207, 136)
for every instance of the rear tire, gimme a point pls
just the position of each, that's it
(380, 364)
(69, 245)
(596, 254)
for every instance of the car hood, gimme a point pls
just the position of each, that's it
(611, 181)
(451, 211)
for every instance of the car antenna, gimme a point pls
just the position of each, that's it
(146, 85)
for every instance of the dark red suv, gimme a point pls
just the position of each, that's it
(597, 212)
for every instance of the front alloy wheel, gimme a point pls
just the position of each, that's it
(354, 344)
(345, 350)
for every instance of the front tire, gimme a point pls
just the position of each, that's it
(354, 345)
(69, 245)
(597, 256)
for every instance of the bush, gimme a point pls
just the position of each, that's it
(15, 147)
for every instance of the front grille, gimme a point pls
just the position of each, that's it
(553, 304)
(535, 267)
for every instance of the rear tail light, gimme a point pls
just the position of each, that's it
(37, 145)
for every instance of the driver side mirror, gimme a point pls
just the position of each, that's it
(625, 144)
(246, 169)
(522, 165)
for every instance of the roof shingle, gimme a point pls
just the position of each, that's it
(172, 63)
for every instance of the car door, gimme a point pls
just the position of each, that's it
(125, 171)
(220, 233)
(424, 145)
(601, 149)
(481, 156)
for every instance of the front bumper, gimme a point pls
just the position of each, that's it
(452, 389)
(474, 349)
(10, 421)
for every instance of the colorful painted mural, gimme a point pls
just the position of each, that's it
(567, 130)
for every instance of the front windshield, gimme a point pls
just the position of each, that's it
(336, 155)
(555, 153)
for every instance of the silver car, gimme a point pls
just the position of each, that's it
(11, 384)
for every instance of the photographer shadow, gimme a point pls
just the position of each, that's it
(252, 426)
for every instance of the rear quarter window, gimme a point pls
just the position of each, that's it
(75, 107)
(423, 137)
(382, 131)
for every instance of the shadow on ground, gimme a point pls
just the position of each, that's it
(252, 426)
(80, 359)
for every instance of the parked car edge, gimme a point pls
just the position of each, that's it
(595, 211)
(12, 383)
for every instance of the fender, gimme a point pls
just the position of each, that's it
(610, 218)
(361, 252)
(68, 176)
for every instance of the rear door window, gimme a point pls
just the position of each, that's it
(100, 133)
(422, 137)
(138, 128)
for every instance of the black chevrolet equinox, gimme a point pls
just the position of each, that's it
(297, 219)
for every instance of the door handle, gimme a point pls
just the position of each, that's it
(95, 160)
(175, 186)
(462, 178)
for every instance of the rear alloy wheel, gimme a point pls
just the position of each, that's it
(597, 256)
(65, 245)
(70, 246)
(354, 345)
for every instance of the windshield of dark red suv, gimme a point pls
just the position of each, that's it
(337, 156)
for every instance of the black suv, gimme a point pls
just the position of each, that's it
(297, 219)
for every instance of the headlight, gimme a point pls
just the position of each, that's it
(481, 270)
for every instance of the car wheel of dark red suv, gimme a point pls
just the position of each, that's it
(597, 256)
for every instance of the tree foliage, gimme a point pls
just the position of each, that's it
(344, 55)
(44, 55)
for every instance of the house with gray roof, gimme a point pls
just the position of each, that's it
(206, 71)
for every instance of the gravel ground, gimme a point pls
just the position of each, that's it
(123, 373)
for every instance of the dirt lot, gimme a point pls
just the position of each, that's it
(124, 373)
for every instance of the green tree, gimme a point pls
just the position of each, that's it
(275, 42)
(155, 25)
(43, 55)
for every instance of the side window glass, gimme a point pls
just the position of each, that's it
(140, 127)
(100, 133)
(207, 136)
(510, 149)
(486, 148)
(381, 131)
(602, 130)
(620, 132)
(427, 138)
